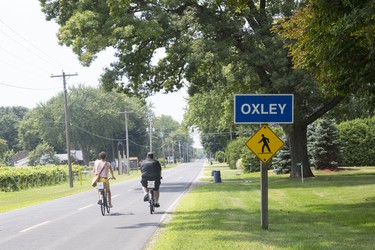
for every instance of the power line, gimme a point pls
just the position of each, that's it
(107, 138)
(19, 87)
(51, 59)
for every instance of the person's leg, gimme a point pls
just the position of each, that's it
(109, 197)
(109, 194)
(157, 194)
(145, 189)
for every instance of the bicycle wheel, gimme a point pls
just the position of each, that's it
(103, 203)
(152, 203)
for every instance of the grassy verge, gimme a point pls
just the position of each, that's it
(329, 211)
(32, 196)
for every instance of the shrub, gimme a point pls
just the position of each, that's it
(357, 139)
(15, 179)
(234, 151)
(220, 156)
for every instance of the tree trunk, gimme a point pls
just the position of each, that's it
(85, 156)
(297, 136)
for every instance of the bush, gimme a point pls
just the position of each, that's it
(357, 138)
(15, 179)
(234, 151)
(241, 157)
(250, 162)
(220, 156)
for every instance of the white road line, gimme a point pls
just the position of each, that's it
(171, 207)
(114, 196)
(82, 208)
(30, 228)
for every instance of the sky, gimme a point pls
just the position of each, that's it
(30, 54)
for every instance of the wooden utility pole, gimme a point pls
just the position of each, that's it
(67, 124)
(127, 140)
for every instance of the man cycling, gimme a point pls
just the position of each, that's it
(101, 167)
(151, 171)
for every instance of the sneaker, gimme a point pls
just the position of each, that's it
(157, 205)
(146, 198)
(99, 202)
(111, 206)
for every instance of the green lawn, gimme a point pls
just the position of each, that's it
(330, 211)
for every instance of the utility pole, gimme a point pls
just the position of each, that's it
(179, 149)
(150, 120)
(67, 124)
(127, 140)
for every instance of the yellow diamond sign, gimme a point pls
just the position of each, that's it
(264, 143)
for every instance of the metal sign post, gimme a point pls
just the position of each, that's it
(264, 195)
(301, 166)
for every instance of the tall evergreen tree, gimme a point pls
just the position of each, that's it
(282, 162)
(326, 146)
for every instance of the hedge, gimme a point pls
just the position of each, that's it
(18, 178)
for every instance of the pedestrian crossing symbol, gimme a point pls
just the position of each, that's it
(264, 143)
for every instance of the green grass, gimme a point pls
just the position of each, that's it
(329, 211)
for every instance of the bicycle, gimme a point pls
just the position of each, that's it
(151, 200)
(103, 199)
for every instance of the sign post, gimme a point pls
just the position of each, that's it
(264, 144)
(263, 109)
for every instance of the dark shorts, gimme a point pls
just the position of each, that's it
(157, 184)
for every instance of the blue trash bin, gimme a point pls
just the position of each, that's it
(217, 176)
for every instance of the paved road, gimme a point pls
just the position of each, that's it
(75, 222)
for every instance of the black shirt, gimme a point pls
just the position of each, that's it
(151, 169)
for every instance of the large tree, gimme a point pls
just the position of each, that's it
(9, 121)
(96, 120)
(334, 40)
(209, 44)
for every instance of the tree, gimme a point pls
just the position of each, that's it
(165, 128)
(43, 154)
(9, 121)
(95, 120)
(208, 45)
(334, 41)
(3, 148)
(282, 162)
(325, 146)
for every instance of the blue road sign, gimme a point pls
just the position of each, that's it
(267, 108)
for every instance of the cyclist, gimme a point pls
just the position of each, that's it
(151, 171)
(101, 167)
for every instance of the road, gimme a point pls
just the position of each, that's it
(75, 222)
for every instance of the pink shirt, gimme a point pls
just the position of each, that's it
(98, 165)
